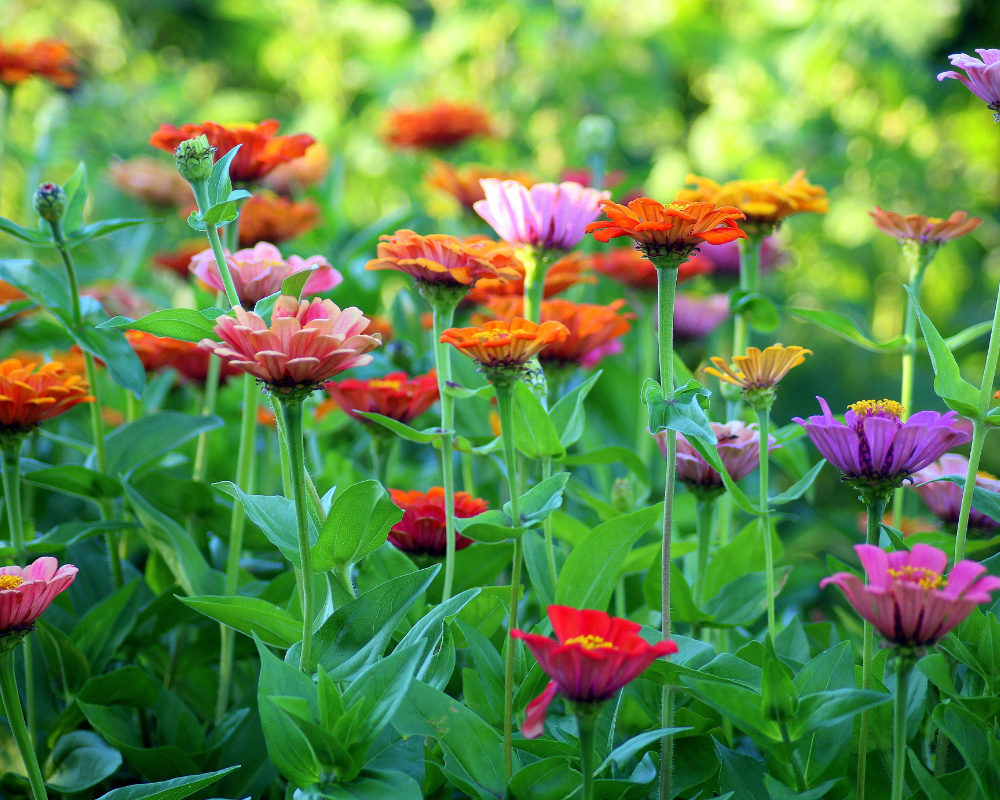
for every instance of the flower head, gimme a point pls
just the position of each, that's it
(260, 271)
(442, 259)
(307, 343)
(564, 273)
(31, 393)
(873, 447)
(630, 267)
(157, 352)
(548, 215)
(261, 149)
(421, 531)
(982, 78)
(758, 373)
(192, 366)
(179, 260)
(152, 181)
(696, 316)
(50, 59)
(396, 395)
(668, 232)
(595, 656)
(25, 592)
(463, 183)
(267, 217)
(944, 498)
(504, 347)
(909, 599)
(725, 257)
(299, 173)
(924, 230)
(439, 125)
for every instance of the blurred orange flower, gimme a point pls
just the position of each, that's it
(268, 217)
(567, 271)
(151, 181)
(924, 230)
(31, 393)
(50, 59)
(10, 294)
(439, 258)
(179, 260)
(396, 396)
(499, 344)
(439, 125)
(631, 268)
(462, 183)
(157, 352)
(380, 325)
(299, 173)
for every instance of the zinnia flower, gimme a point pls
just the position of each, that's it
(671, 231)
(566, 272)
(463, 183)
(396, 396)
(299, 173)
(944, 498)
(119, 299)
(439, 125)
(261, 152)
(307, 344)
(151, 181)
(982, 78)
(924, 230)
(157, 352)
(548, 215)
(757, 373)
(380, 325)
(595, 656)
(696, 316)
(421, 531)
(31, 393)
(25, 592)
(630, 267)
(267, 217)
(501, 346)
(874, 448)
(192, 366)
(50, 59)
(260, 271)
(179, 260)
(908, 597)
(442, 259)
(725, 257)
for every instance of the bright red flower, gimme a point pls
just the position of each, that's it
(595, 656)
(422, 531)
(50, 59)
(630, 267)
(397, 395)
(439, 125)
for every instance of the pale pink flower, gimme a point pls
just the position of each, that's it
(944, 498)
(982, 78)
(258, 272)
(739, 449)
(548, 215)
(307, 344)
(26, 592)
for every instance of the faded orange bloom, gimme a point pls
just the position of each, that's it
(924, 230)
(49, 59)
(759, 370)
(628, 266)
(566, 272)
(261, 152)
(157, 352)
(179, 260)
(10, 294)
(500, 344)
(31, 393)
(151, 181)
(299, 173)
(380, 325)
(668, 232)
(462, 183)
(267, 217)
(906, 525)
(439, 125)
(265, 416)
(443, 259)
(765, 204)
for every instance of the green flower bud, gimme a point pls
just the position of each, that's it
(50, 202)
(195, 158)
(595, 133)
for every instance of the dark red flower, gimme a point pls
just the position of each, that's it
(421, 531)
(396, 395)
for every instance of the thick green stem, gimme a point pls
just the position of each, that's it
(749, 282)
(703, 521)
(536, 265)
(876, 509)
(647, 369)
(550, 550)
(764, 429)
(903, 667)
(800, 781)
(586, 723)
(6, 106)
(15, 717)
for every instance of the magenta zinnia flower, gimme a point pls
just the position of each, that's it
(548, 215)
(874, 448)
(26, 592)
(696, 316)
(908, 597)
(307, 344)
(258, 272)
(982, 78)
(944, 498)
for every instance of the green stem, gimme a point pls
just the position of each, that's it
(764, 429)
(903, 667)
(647, 369)
(536, 264)
(550, 550)
(749, 282)
(6, 106)
(15, 717)
(207, 408)
(585, 725)
(941, 753)
(800, 781)
(291, 406)
(201, 196)
(381, 448)
(703, 522)
(468, 479)
(876, 509)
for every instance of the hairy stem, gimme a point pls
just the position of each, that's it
(15, 717)
(764, 427)
(876, 509)
(903, 667)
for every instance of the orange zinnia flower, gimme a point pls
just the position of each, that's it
(462, 183)
(157, 352)
(924, 230)
(567, 271)
(443, 259)
(50, 59)
(396, 396)
(503, 348)
(31, 393)
(300, 173)
(668, 232)
(757, 373)
(630, 267)
(261, 152)
(422, 529)
(267, 217)
(439, 125)
(151, 181)
(179, 260)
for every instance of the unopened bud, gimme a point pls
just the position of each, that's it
(623, 495)
(195, 158)
(595, 133)
(50, 201)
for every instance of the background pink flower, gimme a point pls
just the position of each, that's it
(26, 592)
(944, 498)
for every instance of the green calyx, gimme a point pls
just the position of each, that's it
(195, 158)
(12, 637)
(503, 376)
(667, 256)
(760, 399)
(442, 294)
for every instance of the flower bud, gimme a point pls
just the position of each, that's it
(195, 158)
(595, 133)
(50, 202)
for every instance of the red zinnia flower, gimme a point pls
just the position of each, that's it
(595, 656)
(442, 124)
(157, 352)
(50, 59)
(421, 531)
(396, 395)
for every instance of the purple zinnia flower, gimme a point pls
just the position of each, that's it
(696, 316)
(944, 498)
(874, 448)
(726, 257)
(548, 215)
(982, 79)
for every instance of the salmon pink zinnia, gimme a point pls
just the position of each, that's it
(25, 592)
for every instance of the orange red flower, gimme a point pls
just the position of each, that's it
(268, 217)
(377, 324)
(49, 59)
(439, 258)
(439, 125)
(462, 183)
(299, 173)
(764, 203)
(628, 266)
(500, 344)
(157, 352)
(924, 230)
(422, 530)
(261, 152)
(152, 181)
(397, 396)
(566, 272)
(31, 393)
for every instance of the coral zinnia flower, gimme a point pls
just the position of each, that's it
(31, 393)
(628, 266)
(924, 230)
(307, 344)
(695, 316)
(396, 396)
(179, 260)
(671, 231)
(25, 592)
(261, 152)
(421, 531)
(462, 183)
(442, 259)
(50, 59)
(499, 345)
(439, 125)
(267, 217)
(157, 352)
(260, 271)
(567, 271)
(982, 78)
(548, 215)
(944, 498)
(299, 173)
(151, 181)
(874, 447)
(595, 656)
(908, 597)
(757, 373)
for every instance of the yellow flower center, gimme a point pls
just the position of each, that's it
(10, 581)
(680, 205)
(878, 408)
(926, 579)
(383, 384)
(590, 641)
(490, 336)
(987, 475)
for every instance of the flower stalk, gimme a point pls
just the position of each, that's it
(550, 550)
(904, 666)
(15, 717)
(763, 413)
(586, 722)
(536, 262)
(704, 510)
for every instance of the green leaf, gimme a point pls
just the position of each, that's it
(250, 615)
(970, 334)
(220, 214)
(29, 235)
(540, 500)
(928, 783)
(974, 740)
(983, 500)
(742, 600)
(175, 789)
(552, 778)
(686, 413)
(760, 311)
(274, 515)
(799, 488)
(488, 664)
(779, 699)
(102, 228)
(358, 523)
(151, 436)
(379, 691)
(76, 198)
(611, 454)
(371, 784)
(895, 538)
(80, 760)
(219, 184)
(741, 774)
(100, 632)
(534, 433)
(568, 414)
(63, 657)
(847, 329)
(75, 480)
(490, 527)
(423, 437)
(432, 634)
(622, 754)
(185, 324)
(740, 704)
(296, 282)
(825, 709)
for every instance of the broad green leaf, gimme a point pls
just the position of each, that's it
(379, 690)
(552, 778)
(488, 664)
(64, 658)
(358, 523)
(824, 709)
(151, 436)
(29, 235)
(370, 784)
(534, 433)
(250, 615)
(741, 774)
(927, 782)
(622, 754)
(80, 760)
(430, 633)
(740, 704)
(102, 228)
(220, 214)
(568, 414)
(296, 282)
(489, 527)
(760, 311)
(972, 738)
(540, 500)
(177, 323)
(846, 328)
(611, 454)
(175, 789)
(75, 480)
(76, 198)
(799, 488)
(274, 515)
(970, 334)
(686, 413)
(743, 599)
(220, 186)
(422, 437)
(100, 632)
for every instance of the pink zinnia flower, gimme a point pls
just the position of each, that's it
(908, 597)
(258, 272)
(696, 316)
(982, 78)
(307, 344)
(548, 215)
(944, 498)
(26, 592)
